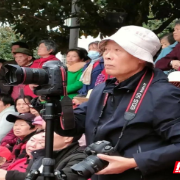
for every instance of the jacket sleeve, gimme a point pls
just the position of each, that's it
(74, 87)
(66, 166)
(15, 175)
(79, 118)
(164, 63)
(10, 139)
(5, 126)
(163, 53)
(166, 124)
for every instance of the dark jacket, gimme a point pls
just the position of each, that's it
(164, 63)
(64, 159)
(4, 89)
(152, 137)
(99, 66)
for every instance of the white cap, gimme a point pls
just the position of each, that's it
(174, 76)
(137, 41)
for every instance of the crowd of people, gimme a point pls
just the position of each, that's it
(117, 94)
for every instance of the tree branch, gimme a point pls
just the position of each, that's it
(164, 25)
(152, 18)
(39, 19)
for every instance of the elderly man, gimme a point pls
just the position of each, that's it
(172, 60)
(138, 111)
(24, 58)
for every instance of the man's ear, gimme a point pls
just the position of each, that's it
(50, 51)
(68, 139)
(29, 58)
(3, 160)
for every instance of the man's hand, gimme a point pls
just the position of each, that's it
(32, 86)
(117, 164)
(175, 64)
(3, 174)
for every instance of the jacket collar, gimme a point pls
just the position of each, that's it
(25, 139)
(38, 153)
(128, 84)
(131, 83)
(76, 66)
(67, 151)
(42, 60)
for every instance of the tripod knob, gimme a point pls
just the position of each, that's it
(60, 175)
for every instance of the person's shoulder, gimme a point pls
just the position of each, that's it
(161, 87)
(78, 153)
(9, 110)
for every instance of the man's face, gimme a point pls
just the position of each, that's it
(35, 142)
(13, 49)
(59, 142)
(22, 59)
(176, 32)
(117, 61)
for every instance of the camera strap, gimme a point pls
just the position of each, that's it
(135, 101)
(67, 114)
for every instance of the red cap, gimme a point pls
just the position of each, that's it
(5, 152)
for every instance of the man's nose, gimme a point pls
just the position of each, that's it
(108, 55)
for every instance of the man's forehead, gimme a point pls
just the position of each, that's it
(21, 54)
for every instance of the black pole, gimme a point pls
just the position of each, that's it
(48, 162)
(74, 33)
(52, 111)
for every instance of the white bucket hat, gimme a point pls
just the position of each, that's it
(137, 41)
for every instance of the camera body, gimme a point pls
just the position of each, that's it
(55, 79)
(92, 163)
(103, 147)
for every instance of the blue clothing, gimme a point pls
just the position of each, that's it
(95, 72)
(152, 138)
(164, 52)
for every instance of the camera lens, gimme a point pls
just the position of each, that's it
(89, 166)
(14, 74)
(20, 75)
(35, 76)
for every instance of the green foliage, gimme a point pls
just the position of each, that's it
(31, 18)
(7, 36)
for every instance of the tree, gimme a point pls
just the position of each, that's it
(31, 18)
(7, 36)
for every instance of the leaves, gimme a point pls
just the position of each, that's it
(7, 36)
(37, 20)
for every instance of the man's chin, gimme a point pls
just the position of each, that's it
(109, 71)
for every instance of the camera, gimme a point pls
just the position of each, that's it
(51, 78)
(92, 163)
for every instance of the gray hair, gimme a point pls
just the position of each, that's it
(50, 45)
(177, 22)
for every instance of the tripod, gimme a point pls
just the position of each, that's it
(51, 112)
